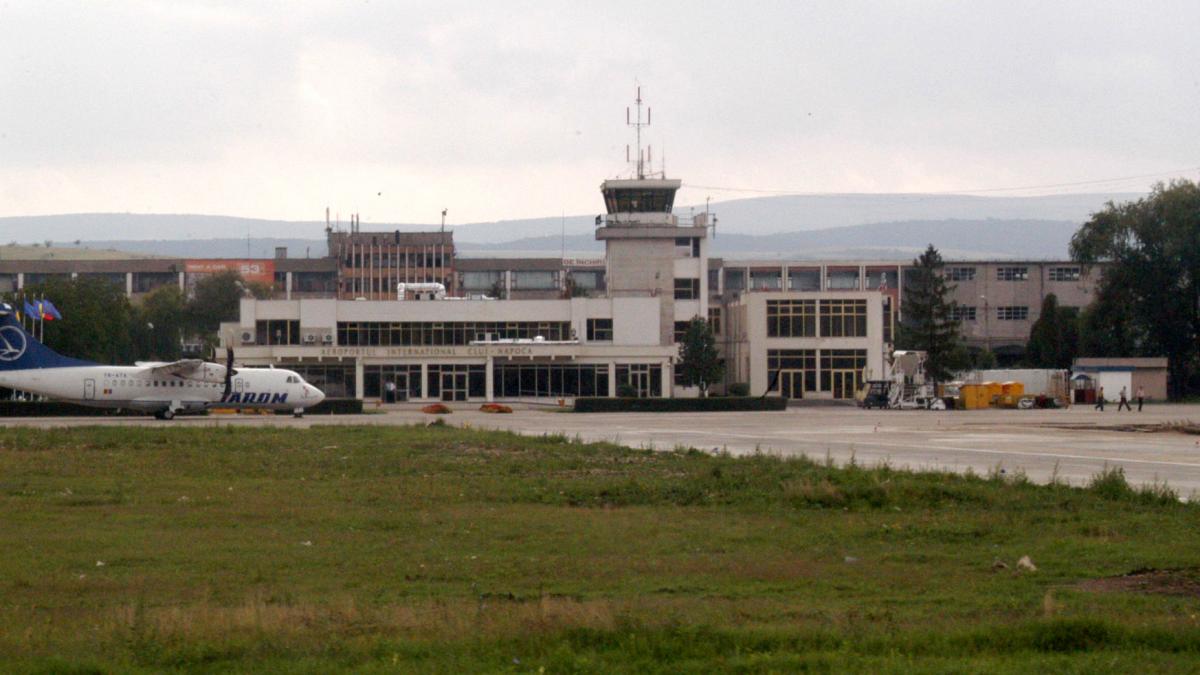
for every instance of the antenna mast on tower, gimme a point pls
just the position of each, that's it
(637, 124)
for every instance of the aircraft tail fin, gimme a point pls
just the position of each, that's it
(20, 351)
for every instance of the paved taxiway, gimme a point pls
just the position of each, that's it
(1072, 444)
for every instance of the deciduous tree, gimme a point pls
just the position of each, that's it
(1150, 298)
(699, 361)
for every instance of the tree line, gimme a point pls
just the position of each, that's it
(1147, 302)
(100, 323)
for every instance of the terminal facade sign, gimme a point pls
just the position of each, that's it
(430, 351)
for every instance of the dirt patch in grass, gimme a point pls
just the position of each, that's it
(1188, 428)
(1184, 582)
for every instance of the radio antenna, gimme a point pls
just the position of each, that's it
(637, 125)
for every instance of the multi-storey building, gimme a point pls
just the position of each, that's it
(529, 328)
(997, 300)
(371, 265)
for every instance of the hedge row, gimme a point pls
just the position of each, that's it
(679, 404)
(330, 406)
(59, 409)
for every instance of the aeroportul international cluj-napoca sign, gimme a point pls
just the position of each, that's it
(416, 352)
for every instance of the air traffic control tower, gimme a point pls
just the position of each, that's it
(646, 251)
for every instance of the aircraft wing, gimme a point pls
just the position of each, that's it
(182, 367)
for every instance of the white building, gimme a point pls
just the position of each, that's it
(620, 339)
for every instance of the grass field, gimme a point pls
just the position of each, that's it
(436, 549)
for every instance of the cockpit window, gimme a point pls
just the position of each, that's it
(292, 379)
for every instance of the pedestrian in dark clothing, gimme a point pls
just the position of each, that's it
(1100, 399)
(1141, 396)
(1124, 401)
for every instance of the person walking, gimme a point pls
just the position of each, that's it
(1141, 396)
(389, 389)
(1124, 401)
(1100, 399)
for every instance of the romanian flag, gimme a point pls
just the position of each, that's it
(49, 311)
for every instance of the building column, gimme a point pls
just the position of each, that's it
(487, 378)
(424, 380)
(668, 380)
(287, 286)
(20, 280)
(358, 378)
(181, 282)
(129, 284)
(612, 379)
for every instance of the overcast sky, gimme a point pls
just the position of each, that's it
(507, 110)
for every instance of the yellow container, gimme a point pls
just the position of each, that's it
(994, 391)
(1011, 393)
(974, 396)
(1016, 389)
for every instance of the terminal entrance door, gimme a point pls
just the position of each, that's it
(454, 386)
(791, 383)
(845, 383)
(401, 382)
(639, 379)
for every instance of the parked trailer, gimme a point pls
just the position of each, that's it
(1017, 387)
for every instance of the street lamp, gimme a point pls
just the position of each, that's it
(987, 333)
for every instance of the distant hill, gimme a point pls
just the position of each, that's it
(217, 248)
(975, 239)
(82, 252)
(756, 216)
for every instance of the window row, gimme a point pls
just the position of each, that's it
(801, 318)
(805, 279)
(406, 333)
(793, 372)
(395, 259)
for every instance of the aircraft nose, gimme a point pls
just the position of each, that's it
(316, 394)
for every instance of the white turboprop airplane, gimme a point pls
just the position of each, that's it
(160, 388)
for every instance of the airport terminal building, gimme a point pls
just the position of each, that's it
(608, 331)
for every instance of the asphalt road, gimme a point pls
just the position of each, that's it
(1071, 444)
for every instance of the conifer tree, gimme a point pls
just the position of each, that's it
(928, 322)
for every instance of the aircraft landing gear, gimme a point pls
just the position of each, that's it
(167, 414)
(298, 413)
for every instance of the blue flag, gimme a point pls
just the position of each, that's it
(30, 310)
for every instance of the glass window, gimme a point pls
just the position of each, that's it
(535, 280)
(599, 330)
(681, 330)
(804, 279)
(482, 281)
(842, 280)
(687, 289)
(714, 320)
(841, 371)
(590, 280)
(843, 318)
(960, 273)
(963, 313)
(766, 280)
(803, 360)
(1012, 273)
(791, 318)
(1012, 313)
(735, 279)
(1065, 273)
